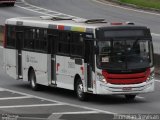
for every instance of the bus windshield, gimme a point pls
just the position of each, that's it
(124, 54)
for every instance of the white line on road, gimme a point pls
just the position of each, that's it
(56, 13)
(140, 97)
(141, 11)
(45, 11)
(136, 10)
(1, 89)
(13, 98)
(32, 10)
(62, 103)
(34, 105)
(13, 91)
(155, 34)
(30, 118)
(157, 81)
(81, 112)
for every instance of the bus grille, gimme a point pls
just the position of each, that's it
(133, 78)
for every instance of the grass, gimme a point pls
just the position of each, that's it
(144, 3)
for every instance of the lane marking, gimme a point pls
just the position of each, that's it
(32, 10)
(30, 118)
(140, 97)
(42, 10)
(25, 106)
(141, 11)
(62, 103)
(13, 98)
(58, 13)
(157, 81)
(125, 8)
(82, 112)
(1, 89)
(155, 34)
(25, 94)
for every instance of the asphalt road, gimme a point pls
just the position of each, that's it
(144, 104)
(91, 9)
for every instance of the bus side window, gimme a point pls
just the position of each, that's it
(76, 45)
(52, 36)
(40, 40)
(63, 43)
(43, 40)
(11, 36)
(28, 39)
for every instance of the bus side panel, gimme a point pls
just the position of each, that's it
(63, 80)
(10, 62)
(74, 66)
(66, 71)
(38, 61)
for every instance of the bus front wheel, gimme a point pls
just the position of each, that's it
(80, 91)
(32, 80)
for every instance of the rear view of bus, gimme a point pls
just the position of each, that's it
(124, 60)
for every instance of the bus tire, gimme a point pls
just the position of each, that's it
(32, 80)
(130, 97)
(11, 4)
(80, 90)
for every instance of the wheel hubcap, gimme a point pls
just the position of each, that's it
(33, 82)
(80, 90)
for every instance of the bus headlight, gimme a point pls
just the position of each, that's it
(150, 77)
(101, 78)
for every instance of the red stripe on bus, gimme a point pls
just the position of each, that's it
(58, 65)
(82, 69)
(60, 27)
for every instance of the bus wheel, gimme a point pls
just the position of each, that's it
(32, 80)
(130, 97)
(11, 4)
(80, 90)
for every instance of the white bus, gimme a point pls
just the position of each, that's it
(88, 56)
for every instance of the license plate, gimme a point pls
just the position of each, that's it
(127, 88)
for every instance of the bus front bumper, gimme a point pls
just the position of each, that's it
(104, 89)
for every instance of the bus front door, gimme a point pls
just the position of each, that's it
(89, 60)
(19, 37)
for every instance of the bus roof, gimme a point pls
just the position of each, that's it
(80, 25)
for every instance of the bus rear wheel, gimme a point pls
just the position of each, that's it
(10, 4)
(80, 91)
(32, 80)
(130, 97)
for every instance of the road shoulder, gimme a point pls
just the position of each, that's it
(116, 2)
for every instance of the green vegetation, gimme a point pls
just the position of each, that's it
(144, 3)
